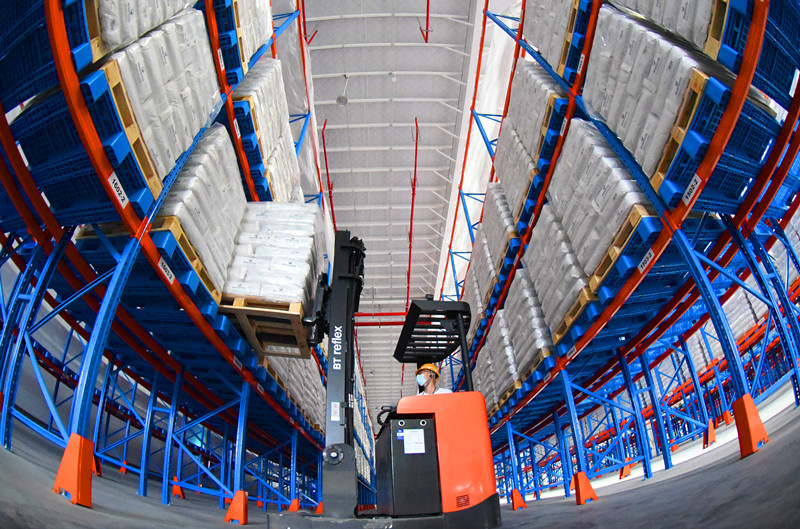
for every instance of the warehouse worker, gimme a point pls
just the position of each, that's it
(427, 375)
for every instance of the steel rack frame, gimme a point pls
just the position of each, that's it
(94, 350)
(769, 180)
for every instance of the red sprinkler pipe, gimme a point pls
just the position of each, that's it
(427, 23)
(411, 221)
(327, 174)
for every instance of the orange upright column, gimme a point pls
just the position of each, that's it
(74, 477)
(749, 425)
(237, 512)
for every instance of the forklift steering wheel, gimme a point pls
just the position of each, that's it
(385, 410)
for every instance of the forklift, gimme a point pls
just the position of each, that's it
(433, 456)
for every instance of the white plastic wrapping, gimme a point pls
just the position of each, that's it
(482, 264)
(527, 328)
(551, 261)
(498, 223)
(278, 253)
(208, 199)
(171, 82)
(592, 192)
(546, 27)
(263, 87)
(531, 90)
(501, 350)
(471, 294)
(124, 21)
(513, 165)
(636, 81)
(691, 19)
(255, 27)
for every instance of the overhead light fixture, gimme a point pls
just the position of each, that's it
(342, 99)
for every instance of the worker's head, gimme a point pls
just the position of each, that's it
(427, 375)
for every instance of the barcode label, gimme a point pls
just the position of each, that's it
(260, 388)
(694, 185)
(236, 128)
(237, 363)
(219, 57)
(166, 270)
(645, 262)
(119, 191)
(563, 127)
(572, 352)
(580, 63)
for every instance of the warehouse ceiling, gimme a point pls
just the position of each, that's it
(375, 77)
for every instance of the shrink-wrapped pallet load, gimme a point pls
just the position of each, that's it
(171, 82)
(556, 273)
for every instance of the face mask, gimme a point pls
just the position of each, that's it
(420, 379)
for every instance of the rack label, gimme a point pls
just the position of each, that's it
(166, 270)
(119, 191)
(237, 363)
(260, 388)
(219, 58)
(694, 185)
(336, 412)
(572, 353)
(580, 63)
(236, 128)
(563, 126)
(645, 261)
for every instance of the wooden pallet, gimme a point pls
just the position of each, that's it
(266, 324)
(585, 296)
(686, 113)
(624, 234)
(99, 49)
(131, 126)
(239, 39)
(573, 15)
(716, 28)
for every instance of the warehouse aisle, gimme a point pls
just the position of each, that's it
(716, 490)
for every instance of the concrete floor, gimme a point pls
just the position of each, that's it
(714, 489)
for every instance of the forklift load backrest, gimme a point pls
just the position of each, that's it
(466, 466)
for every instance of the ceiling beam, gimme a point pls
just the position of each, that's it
(383, 100)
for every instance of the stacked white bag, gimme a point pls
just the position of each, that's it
(546, 27)
(302, 378)
(208, 199)
(255, 25)
(556, 274)
(527, 328)
(172, 85)
(691, 19)
(592, 192)
(513, 165)
(636, 81)
(501, 350)
(498, 222)
(483, 380)
(263, 86)
(123, 21)
(483, 264)
(531, 91)
(278, 253)
(472, 295)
